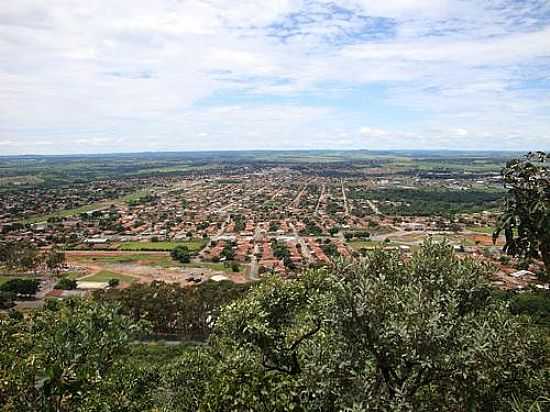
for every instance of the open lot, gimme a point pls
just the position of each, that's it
(193, 245)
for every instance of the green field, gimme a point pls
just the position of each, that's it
(7, 276)
(487, 230)
(87, 208)
(360, 244)
(147, 259)
(193, 245)
(213, 266)
(69, 212)
(4, 279)
(73, 275)
(106, 275)
(133, 197)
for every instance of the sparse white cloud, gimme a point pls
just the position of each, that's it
(135, 75)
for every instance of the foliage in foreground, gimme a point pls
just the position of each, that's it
(381, 335)
(526, 218)
(60, 357)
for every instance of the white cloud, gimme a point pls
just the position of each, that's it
(162, 73)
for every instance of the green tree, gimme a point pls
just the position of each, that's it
(66, 284)
(58, 357)
(526, 218)
(181, 254)
(385, 334)
(21, 286)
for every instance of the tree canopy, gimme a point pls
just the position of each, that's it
(526, 218)
(382, 334)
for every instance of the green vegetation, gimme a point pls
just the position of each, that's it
(147, 259)
(222, 267)
(4, 279)
(536, 304)
(385, 334)
(69, 212)
(192, 245)
(526, 219)
(429, 202)
(181, 254)
(361, 244)
(107, 275)
(135, 197)
(155, 354)
(240, 222)
(481, 229)
(65, 357)
(66, 283)
(25, 287)
(228, 251)
(185, 313)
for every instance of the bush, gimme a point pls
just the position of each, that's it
(7, 300)
(113, 283)
(534, 304)
(21, 286)
(65, 284)
(523, 264)
(504, 259)
(181, 254)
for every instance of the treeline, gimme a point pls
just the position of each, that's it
(409, 202)
(170, 309)
(25, 256)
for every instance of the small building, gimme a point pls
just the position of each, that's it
(96, 241)
(219, 278)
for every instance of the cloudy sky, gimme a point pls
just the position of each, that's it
(94, 76)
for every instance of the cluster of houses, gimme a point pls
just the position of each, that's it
(246, 212)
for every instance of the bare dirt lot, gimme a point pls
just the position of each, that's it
(143, 267)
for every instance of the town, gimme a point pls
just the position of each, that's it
(240, 223)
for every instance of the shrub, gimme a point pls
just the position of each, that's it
(65, 284)
(113, 283)
(7, 300)
(21, 286)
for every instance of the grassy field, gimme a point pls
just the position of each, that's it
(360, 244)
(73, 275)
(133, 197)
(478, 229)
(69, 212)
(106, 275)
(213, 266)
(193, 245)
(4, 279)
(7, 276)
(87, 208)
(141, 258)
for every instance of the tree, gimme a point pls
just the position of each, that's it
(114, 282)
(7, 300)
(21, 286)
(181, 254)
(526, 218)
(54, 259)
(20, 255)
(385, 334)
(57, 358)
(66, 283)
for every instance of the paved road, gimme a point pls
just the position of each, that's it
(253, 273)
(373, 207)
(321, 196)
(296, 202)
(344, 197)
(300, 240)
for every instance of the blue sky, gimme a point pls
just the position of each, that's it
(102, 76)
